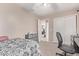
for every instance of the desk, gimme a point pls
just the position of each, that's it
(76, 43)
(76, 39)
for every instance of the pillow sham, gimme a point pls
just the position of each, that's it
(3, 38)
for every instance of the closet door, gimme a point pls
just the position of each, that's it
(66, 26)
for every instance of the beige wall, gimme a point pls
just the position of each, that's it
(15, 21)
(60, 14)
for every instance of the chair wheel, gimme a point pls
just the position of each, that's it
(59, 54)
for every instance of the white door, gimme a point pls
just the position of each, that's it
(66, 26)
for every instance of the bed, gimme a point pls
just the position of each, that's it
(19, 47)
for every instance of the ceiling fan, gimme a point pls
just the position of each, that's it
(44, 9)
(41, 9)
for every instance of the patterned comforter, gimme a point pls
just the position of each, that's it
(19, 47)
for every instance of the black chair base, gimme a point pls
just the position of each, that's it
(63, 54)
(58, 54)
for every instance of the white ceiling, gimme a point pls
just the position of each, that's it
(43, 10)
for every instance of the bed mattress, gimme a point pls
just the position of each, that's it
(19, 47)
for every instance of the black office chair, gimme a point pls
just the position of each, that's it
(65, 48)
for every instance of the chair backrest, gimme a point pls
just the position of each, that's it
(59, 37)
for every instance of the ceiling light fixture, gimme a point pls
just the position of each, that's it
(44, 4)
(42, 9)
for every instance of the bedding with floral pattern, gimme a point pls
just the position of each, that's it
(19, 47)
